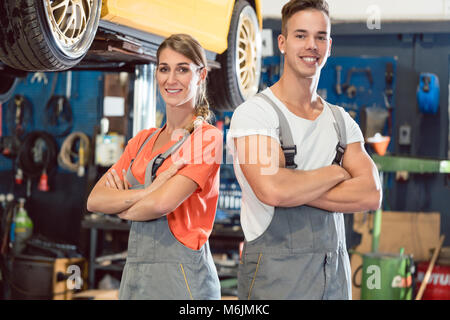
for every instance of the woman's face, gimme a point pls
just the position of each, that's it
(178, 78)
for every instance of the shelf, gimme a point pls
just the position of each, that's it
(413, 165)
(111, 267)
(105, 224)
(220, 230)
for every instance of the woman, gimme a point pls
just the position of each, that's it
(168, 187)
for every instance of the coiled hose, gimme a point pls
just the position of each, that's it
(75, 160)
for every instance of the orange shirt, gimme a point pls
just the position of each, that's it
(192, 222)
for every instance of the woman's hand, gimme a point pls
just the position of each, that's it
(166, 175)
(113, 180)
(162, 178)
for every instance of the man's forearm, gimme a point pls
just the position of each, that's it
(294, 187)
(360, 193)
(353, 195)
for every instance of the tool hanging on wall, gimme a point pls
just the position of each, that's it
(72, 160)
(338, 86)
(372, 120)
(428, 93)
(350, 89)
(58, 117)
(9, 146)
(18, 177)
(19, 120)
(389, 93)
(37, 157)
(388, 79)
(20, 115)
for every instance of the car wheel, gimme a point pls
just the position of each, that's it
(47, 35)
(7, 86)
(238, 77)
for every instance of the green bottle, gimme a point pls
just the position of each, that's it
(23, 228)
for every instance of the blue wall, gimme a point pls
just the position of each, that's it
(419, 47)
(57, 214)
(416, 53)
(86, 102)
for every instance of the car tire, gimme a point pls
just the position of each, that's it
(8, 84)
(45, 35)
(238, 78)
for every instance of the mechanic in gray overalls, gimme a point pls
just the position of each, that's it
(301, 163)
(171, 204)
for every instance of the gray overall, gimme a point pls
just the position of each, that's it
(158, 266)
(302, 254)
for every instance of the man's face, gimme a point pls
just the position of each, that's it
(307, 43)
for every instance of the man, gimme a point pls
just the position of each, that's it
(300, 163)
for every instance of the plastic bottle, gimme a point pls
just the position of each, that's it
(23, 228)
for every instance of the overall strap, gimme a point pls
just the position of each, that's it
(130, 177)
(145, 142)
(157, 161)
(341, 131)
(286, 140)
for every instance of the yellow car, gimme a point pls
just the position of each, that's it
(54, 35)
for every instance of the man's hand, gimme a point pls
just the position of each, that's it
(360, 193)
(347, 175)
(262, 163)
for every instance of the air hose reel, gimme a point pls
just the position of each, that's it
(37, 156)
(428, 93)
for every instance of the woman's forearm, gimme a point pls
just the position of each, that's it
(137, 203)
(144, 210)
(164, 196)
(112, 201)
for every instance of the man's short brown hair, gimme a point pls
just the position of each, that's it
(293, 6)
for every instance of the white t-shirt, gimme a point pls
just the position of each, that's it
(316, 147)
